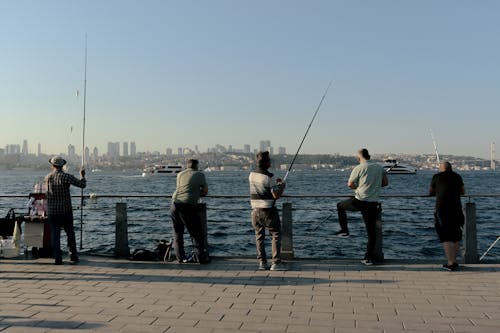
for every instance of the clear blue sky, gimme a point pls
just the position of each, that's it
(180, 73)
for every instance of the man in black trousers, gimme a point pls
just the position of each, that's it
(191, 185)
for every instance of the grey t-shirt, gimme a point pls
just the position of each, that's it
(368, 178)
(189, 184)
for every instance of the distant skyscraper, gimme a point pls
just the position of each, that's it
(169, 151)
(113, 149)
(25, 148)
(12, 149)
(71, 151)
(133, 149)
(39, 150)
(265, 145)
(281, 150)
(125, 149)
(87, 154)
(179, 151)
(196, 149)
(95, 153)
(247, 149)
(230, 148)
(2, 152)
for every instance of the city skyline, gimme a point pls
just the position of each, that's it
(185, 74)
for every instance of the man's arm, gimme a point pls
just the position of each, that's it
(353, 179)
(462, 190)
(352, 185)
(81, 183)
(204, 186)
(277, 191)
(385, 180)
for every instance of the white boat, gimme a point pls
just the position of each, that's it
(393, 167)
(160, 169)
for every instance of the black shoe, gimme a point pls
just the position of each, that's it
(58, 262)
(450, 268)
(74, 259)
(342, 234)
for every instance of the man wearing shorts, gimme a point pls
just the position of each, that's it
(447, 186)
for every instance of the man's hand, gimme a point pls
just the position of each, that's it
(82, 172)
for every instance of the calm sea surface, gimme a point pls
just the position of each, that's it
(407, 222)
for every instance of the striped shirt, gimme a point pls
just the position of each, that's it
(261, 189)
(58, 193)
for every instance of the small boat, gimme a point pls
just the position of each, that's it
(393, 167)
(160, 169)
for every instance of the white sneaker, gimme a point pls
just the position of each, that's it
(278, 267)
(367, 262)
(262, 266)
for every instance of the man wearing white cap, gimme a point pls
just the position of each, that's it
(59, 209)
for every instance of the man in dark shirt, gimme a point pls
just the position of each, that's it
(448, 186)
(59, 209)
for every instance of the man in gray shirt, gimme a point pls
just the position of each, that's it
(366, 179)
(191, 184)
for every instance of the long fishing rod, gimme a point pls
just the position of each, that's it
(83, 139)
(435, 147)
(307, 131)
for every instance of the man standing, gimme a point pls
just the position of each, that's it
(59, 208)
(448, 186)
(191, 184)
(366, 179)
(263, 196)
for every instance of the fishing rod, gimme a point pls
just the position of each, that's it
(435, 147)
(307, 131)
(83, 139)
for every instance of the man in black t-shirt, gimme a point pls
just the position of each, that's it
(448, 186)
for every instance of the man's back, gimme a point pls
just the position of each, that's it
(448, 188)
(368, 178)
(58, 191)
(189, 184)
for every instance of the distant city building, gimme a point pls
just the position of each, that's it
(113, 149)
(492, 157)
(12, 149)
(133, 149)
(24, 151)
(196, 149)
(230, 148)
(87, 154)
(2, 152)
(125, 149)
(39, 150)
(247, 149)
(169, 152)
(71, 151)
(265, 145)
(95, 153)
(179, 151)
(281, 150)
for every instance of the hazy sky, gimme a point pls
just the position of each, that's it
(180, 73)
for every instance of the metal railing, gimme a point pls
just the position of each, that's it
(407, 223)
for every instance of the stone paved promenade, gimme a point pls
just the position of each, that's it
(108, 295)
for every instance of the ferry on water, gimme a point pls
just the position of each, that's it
(393, 167)
(158, 169)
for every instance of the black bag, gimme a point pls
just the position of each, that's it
(144, 255)
(7, 224)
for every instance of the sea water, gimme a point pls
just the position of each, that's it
(408, 224)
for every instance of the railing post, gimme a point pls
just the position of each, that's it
(121, 231)
(287, 232)
(379, 252)
(470, 234)
(202, 211)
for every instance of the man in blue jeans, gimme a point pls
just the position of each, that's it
(59, 208)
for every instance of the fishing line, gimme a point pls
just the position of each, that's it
(83, 139)
(307, 131)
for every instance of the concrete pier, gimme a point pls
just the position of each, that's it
(229, 295)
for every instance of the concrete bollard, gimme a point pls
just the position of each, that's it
(287, 232)
(470, 234)
(379, 252)
(121, 231)
(202, 211)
